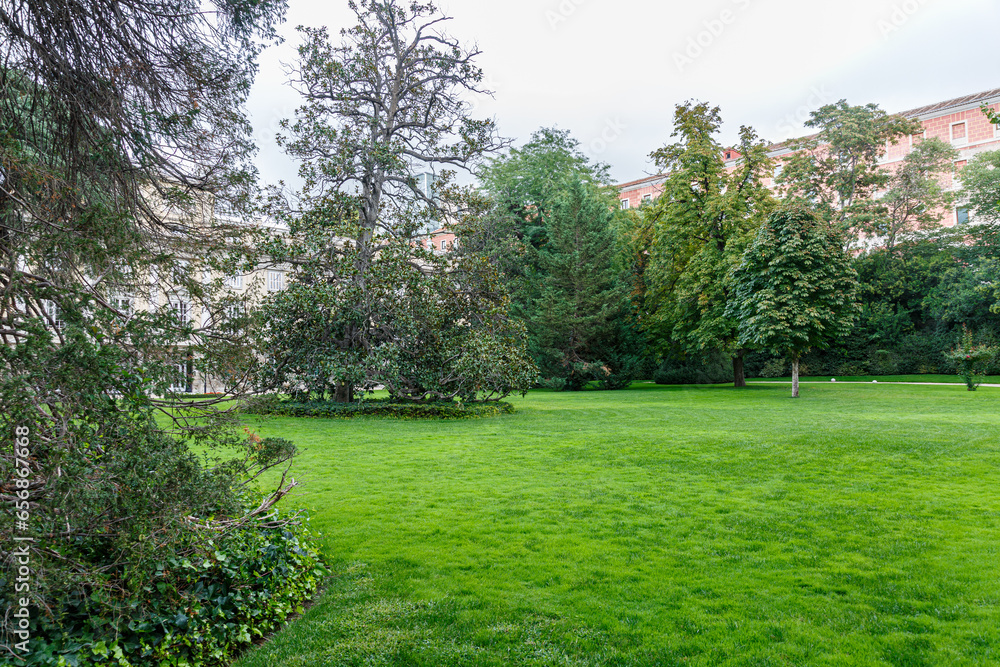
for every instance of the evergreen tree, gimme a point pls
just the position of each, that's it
(578, 297)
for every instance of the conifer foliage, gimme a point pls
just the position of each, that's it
(579, 296)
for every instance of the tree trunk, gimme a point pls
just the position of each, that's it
(739, 378)
(344, 393)
(795, 376)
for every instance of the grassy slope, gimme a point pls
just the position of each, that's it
(659, 526)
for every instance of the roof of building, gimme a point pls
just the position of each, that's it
(949, 104)
(641, 181)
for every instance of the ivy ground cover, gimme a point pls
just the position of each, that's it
(858, 525)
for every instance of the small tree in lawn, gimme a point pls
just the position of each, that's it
(970, 360)
(795, 288)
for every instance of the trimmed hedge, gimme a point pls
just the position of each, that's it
(271, 405)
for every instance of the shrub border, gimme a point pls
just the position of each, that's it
(271, 405)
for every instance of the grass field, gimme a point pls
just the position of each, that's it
(858, 525)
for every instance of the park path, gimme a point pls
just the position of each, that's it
(934, 384)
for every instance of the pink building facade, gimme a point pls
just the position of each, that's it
(959, 121)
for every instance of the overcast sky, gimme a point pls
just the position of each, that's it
(611, 71)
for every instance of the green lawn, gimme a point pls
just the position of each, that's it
(859, 525)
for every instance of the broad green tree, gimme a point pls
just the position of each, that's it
(915, 199)
(700, 226)
(794, 288)
(384, 104)
(836, 170)
(981, 186)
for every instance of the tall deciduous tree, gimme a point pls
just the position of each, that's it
(701, 225)
(795, 287)
(916, 199)
(981, 186)
(836, 170)
(384, 105)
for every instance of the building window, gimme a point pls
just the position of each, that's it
(181, 311)
(273, 281)
(180, 381)
(958, 134)
(625, 204)
(777, 172)
(647, 199)
(444, 245)
(962, 215)
(123, 304)
(235, 281)
(54, 316)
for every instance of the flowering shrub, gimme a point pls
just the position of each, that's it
(970, 360)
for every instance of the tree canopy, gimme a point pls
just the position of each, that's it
(795, 287)
(700, 226)
(375, 306)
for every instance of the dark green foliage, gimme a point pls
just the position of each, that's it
(271, 405)
(526, 182)
(432, 328)
(557, 235)
(199, 607)
(121, 125)
(711, 368)
(795, 288)
(578, 300)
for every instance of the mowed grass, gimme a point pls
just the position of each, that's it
(858, 525)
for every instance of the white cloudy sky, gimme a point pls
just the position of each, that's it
(611, 71)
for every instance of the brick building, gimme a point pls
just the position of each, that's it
(959, 121)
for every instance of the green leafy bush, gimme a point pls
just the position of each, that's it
(970, 360)
(198, 606)
(272, 405)
(712, 368)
